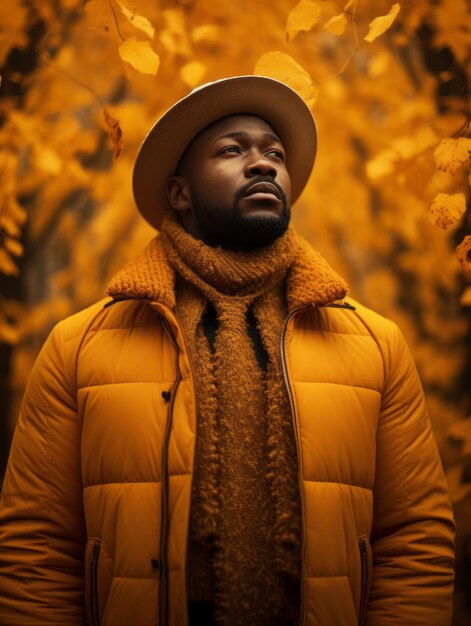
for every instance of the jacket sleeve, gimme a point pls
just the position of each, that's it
(41, 515)
(413, 529)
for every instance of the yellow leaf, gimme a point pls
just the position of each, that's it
(9, 225)
(379, 63)
(140, 55)
(283, 67)
(303, 17)
(206, 33)
(382, 164)
(139, 21)
(7, 265)
(47, 159)
(463, 253)
(381, 24)
(8, 333)
(175, 37)
(192, 73)
(17, 212)
(450, 154)
(336, 24)
(12, 216)
(115, 133)
(13, 246)
(403, 148)
(446, 209)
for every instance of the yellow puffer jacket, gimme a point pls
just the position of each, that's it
(95, 512)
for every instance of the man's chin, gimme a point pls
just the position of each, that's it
(256, 229)
(241, 230)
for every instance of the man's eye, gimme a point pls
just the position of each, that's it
(278, 154)
(228, 148)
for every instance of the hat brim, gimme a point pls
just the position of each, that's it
(279, 105)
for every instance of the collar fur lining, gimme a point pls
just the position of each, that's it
(311, 280)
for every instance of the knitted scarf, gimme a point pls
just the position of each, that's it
(244, 552)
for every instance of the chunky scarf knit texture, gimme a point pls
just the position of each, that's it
(245, 500)
(245, 526)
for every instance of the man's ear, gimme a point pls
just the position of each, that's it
(178, 193)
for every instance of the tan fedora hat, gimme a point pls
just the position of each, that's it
(270, 99)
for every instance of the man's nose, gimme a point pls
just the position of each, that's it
(260, 166)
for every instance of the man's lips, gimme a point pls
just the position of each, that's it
(264, 188)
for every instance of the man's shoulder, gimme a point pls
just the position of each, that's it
(371, 317)
(78, 323)
(352, 317)
(357, 325)
(105, 314)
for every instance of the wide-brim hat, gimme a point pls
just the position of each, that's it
(274, 101)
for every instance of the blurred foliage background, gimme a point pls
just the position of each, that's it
(386, 204)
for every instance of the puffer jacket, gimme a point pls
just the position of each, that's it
(96, 502)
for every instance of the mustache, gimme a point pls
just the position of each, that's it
(260, 179)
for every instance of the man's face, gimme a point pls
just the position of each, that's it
(232, 187)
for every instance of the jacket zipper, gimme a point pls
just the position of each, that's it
(93, 610)
(298, 448)
(365, 561)
(163, 587)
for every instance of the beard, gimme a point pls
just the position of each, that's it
(234, 230)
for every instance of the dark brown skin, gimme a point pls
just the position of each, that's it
(217, 171)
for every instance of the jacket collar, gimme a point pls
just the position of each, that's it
(311, 280)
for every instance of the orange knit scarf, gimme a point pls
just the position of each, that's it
(245, 528)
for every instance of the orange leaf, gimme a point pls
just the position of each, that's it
(7, 265)
(8, 333)
(451, 154)
(138, 21)
(174, 37)
(140, 55)
(446, 209)
(47, 159)
(381, 24)
(463, 253)
(192, 73)
(283, 67)
(303, 17)
(465, 298)
(13, 246)
(336, 24)
(115, 133)
(206, 33)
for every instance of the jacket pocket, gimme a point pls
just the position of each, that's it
(366, 564)
(92, 555)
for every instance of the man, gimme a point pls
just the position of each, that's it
(226, 440)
